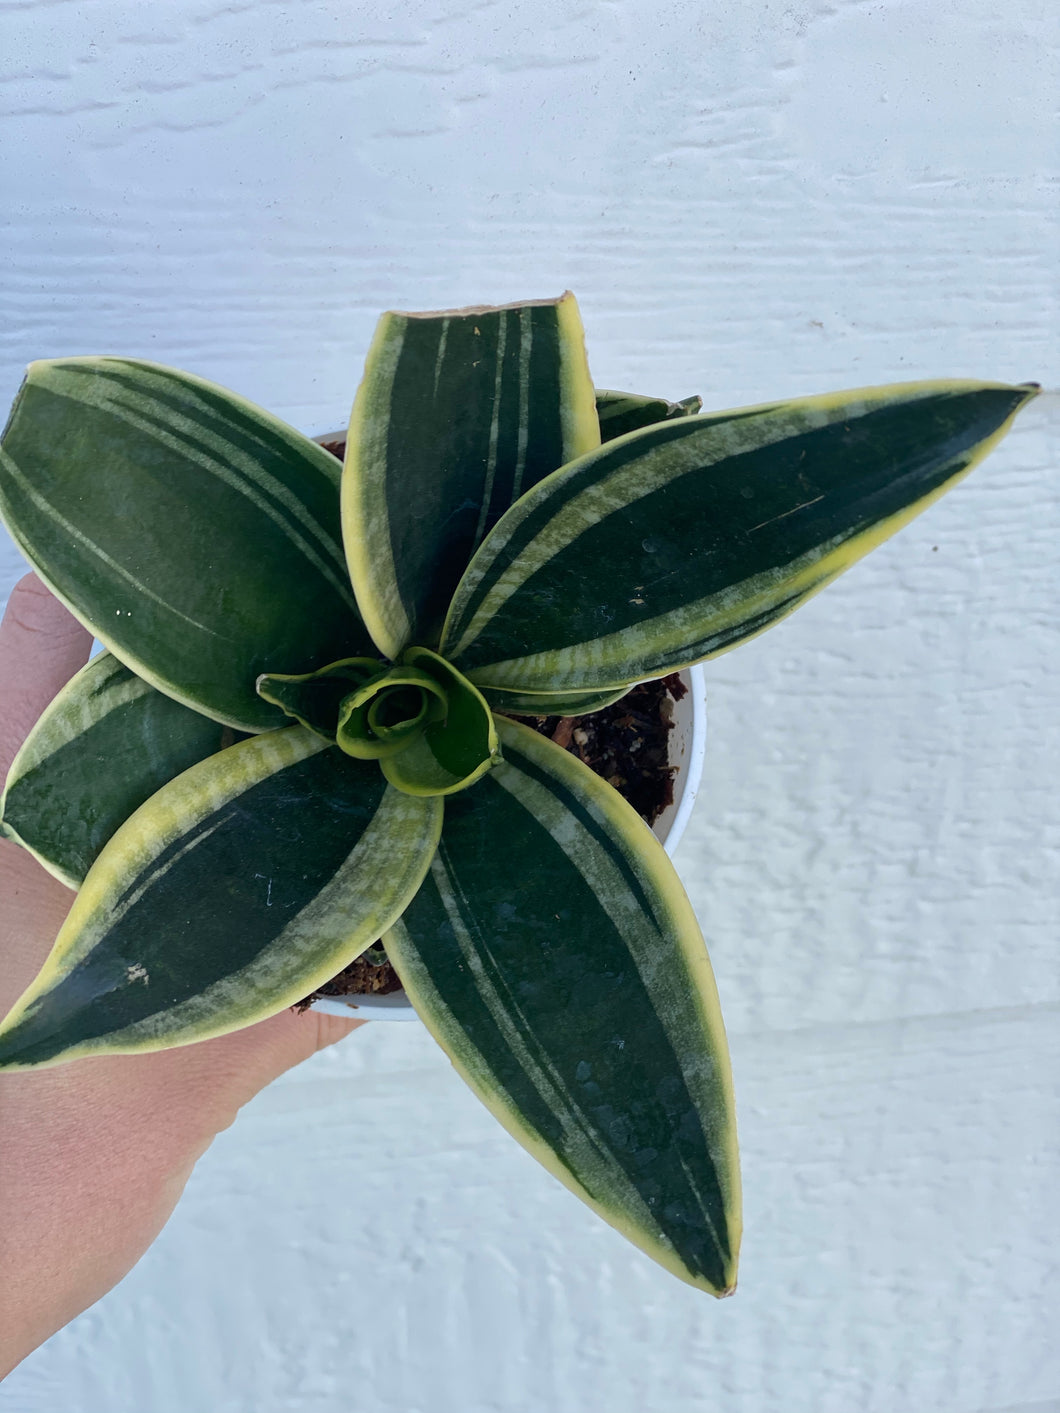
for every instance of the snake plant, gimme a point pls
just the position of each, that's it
(303, 735)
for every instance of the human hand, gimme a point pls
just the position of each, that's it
(95, 1153)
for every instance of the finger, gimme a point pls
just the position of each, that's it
(265, 1050)
(219, 1076)
(42, 645)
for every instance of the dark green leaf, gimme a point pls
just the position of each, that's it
(196, 535)
(236, 890)
(554, 956)
(551, 703)
(621, 412)
(677, 542)
(106, 743)
(458, 414)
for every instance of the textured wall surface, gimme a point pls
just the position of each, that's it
(750, 200)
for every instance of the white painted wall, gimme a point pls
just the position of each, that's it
(750, 200)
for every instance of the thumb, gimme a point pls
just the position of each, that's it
(236, 1066)
(42, 645)
(293, 1036)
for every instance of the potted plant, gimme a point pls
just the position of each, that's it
(315, 688)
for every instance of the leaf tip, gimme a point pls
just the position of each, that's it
(10, 1046)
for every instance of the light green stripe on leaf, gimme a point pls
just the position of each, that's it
(196, 535)
(459, 413)
(102, 748)
(674, 543)
(580, 1005)
(551, 703)
(238, 888)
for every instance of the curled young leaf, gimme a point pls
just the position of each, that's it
(450, 754)
(389, 712)
(315, 699)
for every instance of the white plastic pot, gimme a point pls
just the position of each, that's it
(687, 751)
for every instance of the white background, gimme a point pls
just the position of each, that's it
(751, 200)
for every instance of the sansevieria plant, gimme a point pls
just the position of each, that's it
(304, 737)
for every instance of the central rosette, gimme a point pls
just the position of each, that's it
(425, 723)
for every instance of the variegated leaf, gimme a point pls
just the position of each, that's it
(459, 413)
(236, 890)
(196, 535)
(675, 543)
(105, 744)
(621, 412)
(553, 954)
(552, 703)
